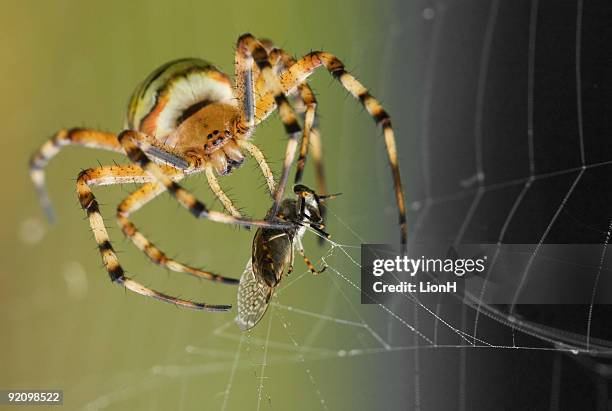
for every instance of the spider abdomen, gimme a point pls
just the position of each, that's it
(175, 91)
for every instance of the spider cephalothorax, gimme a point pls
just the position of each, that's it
(187, 118)
(211, 135)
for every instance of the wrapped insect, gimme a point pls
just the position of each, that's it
(272, 253)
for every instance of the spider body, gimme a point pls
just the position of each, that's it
(189, 105)
(272, 253)
(186, 118)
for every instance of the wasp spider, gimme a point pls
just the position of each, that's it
(187, 118)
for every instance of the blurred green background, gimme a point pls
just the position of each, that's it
(71, 63)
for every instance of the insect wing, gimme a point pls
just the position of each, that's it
(253, 299)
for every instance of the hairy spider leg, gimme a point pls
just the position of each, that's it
(249, 48)
(246, 76)
(108, 141)
(282, 61)
(135, 201)
(256, 153)
(118, 175)
(301, 70)
(311, 133)
(65, 137)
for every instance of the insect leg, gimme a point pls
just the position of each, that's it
(307, 261)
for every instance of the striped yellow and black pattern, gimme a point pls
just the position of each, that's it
(186, 118)
(109, 175)
(299, 72)
(134, 202)
(311, 136)
(75, 136)
(249, 48)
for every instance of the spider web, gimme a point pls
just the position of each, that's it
(472, 177)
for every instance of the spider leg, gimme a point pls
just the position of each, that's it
(118, 175)
(248, 81)
(245, 76)
(75, 136)
(250, 49)
(218, 191)
(135, 201)
(317, 157)
(309, 100)
(198, 209)
(282, 61)
(301, 70)
(256, 153)
(311, 132)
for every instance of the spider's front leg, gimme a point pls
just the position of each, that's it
(119, 175)
(135, 201)
(249, 52)
(299, 72)
(198, 209)
(311, 135)
(281, 60)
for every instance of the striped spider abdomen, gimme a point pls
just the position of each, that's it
(189, 105)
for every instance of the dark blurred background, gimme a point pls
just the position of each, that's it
(512, 149)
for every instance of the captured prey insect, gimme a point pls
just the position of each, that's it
(273, 251)
(188, 117)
